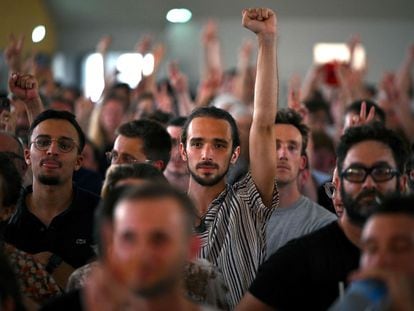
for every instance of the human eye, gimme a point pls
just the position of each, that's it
(65, 144)
(196, 144)
(292, 147)
(382, 172)
(43, 141)
(355, 173)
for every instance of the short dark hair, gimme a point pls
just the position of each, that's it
(177, 121)
(12, 181)
(59, 115)
(215, 113)
(116, 173)
(155, 138)
(355, 107)
(315, 105)
(291, 117)
(106, 210)
(374, 131)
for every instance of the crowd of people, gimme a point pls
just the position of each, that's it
(154, 198)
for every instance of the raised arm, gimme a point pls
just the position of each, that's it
(26, 88)
(262, 141)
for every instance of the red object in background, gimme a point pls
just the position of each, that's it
(329, 70)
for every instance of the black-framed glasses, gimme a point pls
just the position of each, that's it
(114, 157)
(65, 144)
(379, 173)
(329, 189)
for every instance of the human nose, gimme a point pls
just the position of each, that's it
(369, 183)
(281, 152)
(53, 148)
(206, 152)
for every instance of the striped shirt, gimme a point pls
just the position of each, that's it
(234, 231)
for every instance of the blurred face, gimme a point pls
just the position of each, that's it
(149, 245)
(360, 198)
(112, 115)
(176, 165)
(11, 147)
(288, 149)
(128, 150)
(208, 150)
(388, 243)
(22, 121)
(336, 196)
(52, 166)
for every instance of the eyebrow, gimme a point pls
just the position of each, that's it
(49, 136)
(379, 163)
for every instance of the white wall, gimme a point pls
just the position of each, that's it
(385, 42)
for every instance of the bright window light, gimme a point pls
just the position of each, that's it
(148, 64)
(94, 76)
(179, 15)
(38, 33)
(130, 67)
(329, 52)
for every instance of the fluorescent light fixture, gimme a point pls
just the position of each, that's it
(178, 15)
(94, 76)
(129, 67)
(328, 52)
(38, 33)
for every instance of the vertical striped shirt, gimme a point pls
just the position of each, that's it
(233, 234)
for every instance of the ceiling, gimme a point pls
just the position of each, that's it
(151, 14)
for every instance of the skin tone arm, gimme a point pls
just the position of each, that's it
(262, 140)
(26, 88)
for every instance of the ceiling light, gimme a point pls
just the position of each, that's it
(39, 33)
(179, 15)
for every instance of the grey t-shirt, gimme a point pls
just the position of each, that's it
(302, 217)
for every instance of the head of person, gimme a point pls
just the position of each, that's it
(142, 141)
(371, 164)
(147, 232)
(319, 114)
(112, 113)
(209, 143)
(145, 105)
(61, 103)
(130, 174)
(388, 237)
(323, 157)
(18, 107)
(12, 145)
(410, 169)
(291, 142)
(177, 165)
(354, 109)
(55, 147)
(333, 192)
(10, 186)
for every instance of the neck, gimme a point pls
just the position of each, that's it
(352, 232)
(48, 201)
(288, 194)
(204, 195)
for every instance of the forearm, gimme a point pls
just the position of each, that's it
(33, 108)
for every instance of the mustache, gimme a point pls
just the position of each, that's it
(209, 164)
(378, 196)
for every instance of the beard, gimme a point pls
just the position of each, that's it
(359, 209)
(206, 181)
(158, 289)
(49, 180)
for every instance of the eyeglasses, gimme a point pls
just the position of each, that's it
(64, 144)
(114, 157)
(329, 189)
(359, 174)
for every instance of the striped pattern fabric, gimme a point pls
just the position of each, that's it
(234, 235)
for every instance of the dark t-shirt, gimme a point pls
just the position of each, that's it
(71, 301)
(306, 273)
(69, 235)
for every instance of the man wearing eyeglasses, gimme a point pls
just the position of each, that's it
(309, 273)
(54, 218)
(141, 141)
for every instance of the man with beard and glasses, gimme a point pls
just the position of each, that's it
(309, 273)
(54, 218)
(232, 219)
